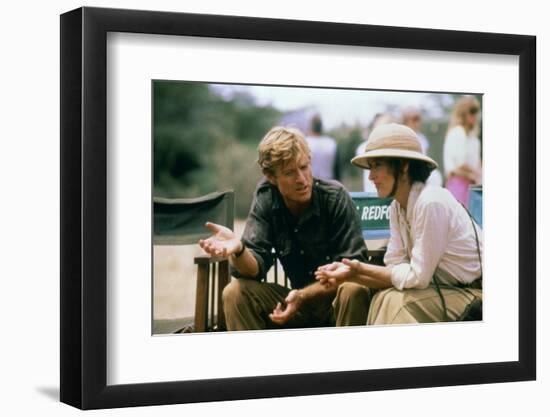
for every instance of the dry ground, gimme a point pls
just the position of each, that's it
(174, 275)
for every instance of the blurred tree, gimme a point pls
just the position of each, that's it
(203, 143)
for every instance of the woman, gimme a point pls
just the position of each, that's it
(433, 261)
(461, 150)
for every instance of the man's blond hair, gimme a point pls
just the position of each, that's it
(279, 146)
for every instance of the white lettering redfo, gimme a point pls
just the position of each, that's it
(375, 213)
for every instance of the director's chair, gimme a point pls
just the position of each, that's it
(180, 221)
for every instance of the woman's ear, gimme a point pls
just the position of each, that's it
(405, 168)
(404, 174)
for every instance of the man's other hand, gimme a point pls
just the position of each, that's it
(293, 302)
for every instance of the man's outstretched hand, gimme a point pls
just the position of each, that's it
(223, 241)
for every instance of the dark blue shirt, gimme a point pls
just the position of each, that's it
(328, 230)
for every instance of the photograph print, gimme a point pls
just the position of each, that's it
(288, 207)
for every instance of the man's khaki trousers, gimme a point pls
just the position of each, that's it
(248, 303)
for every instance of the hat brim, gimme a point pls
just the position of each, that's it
(361, 160)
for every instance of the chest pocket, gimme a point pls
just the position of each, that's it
(317, 245)
(283, 245)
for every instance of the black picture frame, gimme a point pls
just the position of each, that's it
(84, 207)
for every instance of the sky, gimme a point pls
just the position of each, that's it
(336, 106)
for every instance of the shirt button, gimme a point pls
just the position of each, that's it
(301, 252)
(296, 230)
(328, 258)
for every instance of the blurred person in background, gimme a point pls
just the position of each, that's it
(462, 148)
(308, 222)
(324, 152)
(433, 267)
(377, 120)
(412, 118)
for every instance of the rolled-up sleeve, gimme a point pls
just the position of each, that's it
(257, 237)
(431, 239)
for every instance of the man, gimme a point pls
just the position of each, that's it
(308, 222)
(433, 261)
(324, 152)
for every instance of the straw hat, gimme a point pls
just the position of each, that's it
(392, 140)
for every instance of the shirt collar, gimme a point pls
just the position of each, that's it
(414, 193)
(314, 208)
(277, 199)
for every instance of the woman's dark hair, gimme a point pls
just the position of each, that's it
(418, 170)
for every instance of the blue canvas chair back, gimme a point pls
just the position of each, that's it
(475, 203)
(374, 214)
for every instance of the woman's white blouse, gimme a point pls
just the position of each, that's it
(434, 235)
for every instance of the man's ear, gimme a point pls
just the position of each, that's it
(271, 179)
